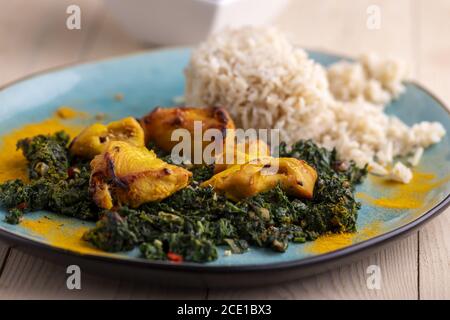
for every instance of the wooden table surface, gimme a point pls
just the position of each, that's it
(33, 37)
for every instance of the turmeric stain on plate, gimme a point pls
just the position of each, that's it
(369, 231)
(329, 242)
(334, 241)
(12, 162)
(67, 113)
(404, 196)
(60, 233)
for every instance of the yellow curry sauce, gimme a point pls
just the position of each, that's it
(404, 196)
(401, 196)
(61, 233)
(331, 242)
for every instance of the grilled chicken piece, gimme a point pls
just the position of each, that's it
(93, 140)
(127, 175)
(241, 153)
(295, 177)
(161, 122)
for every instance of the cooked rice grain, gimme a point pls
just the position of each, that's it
(266, 82)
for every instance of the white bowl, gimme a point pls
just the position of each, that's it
(174, 22)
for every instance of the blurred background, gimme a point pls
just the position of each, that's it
(34, 35)
(41, 34)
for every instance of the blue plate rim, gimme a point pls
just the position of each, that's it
(201, 268)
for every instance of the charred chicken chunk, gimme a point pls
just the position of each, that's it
(241, 153)
(294, 176)
(127, 175)
(93, 140)
(161, 122)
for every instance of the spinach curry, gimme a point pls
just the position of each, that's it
(192, 222)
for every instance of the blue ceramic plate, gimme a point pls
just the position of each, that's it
(149, 79)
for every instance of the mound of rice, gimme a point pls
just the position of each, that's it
(371, 78)
(266, 82)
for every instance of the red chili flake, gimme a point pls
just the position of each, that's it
(70, 172)
(22, 206)
(174, 257)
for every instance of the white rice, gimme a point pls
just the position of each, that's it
(373, 79)
(266, 82)
(415, 159)
(401, 173)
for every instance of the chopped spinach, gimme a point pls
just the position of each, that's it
(271, 219)
(68, 196)
(190, 224)
(112, 234)
(46, 154)
(56, 183)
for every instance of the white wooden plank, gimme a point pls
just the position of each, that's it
(434, 251)
(433, 55)
(4, 247)
(28, 277)
(398, 266)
